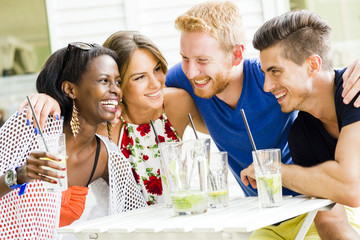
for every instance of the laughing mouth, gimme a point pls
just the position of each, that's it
(202, 81)
(110, 103)
(280, 95)
(153, 94)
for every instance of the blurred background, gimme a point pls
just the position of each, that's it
(31, 30)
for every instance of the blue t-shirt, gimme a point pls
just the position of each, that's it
(309, 142)
(269, 126)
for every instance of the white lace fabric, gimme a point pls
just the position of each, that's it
(35, 215)
(124, 193)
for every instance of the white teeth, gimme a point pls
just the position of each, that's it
(110, 103)
(280, 95)
(202, 81)
(154, 94)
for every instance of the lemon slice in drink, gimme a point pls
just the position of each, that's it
(217, 194)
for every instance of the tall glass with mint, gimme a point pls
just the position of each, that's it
(185, 166)
(218, 180)
(267, 163)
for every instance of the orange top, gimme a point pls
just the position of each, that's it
(72, 204)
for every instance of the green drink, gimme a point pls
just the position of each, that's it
(218, 198)
(269, 184)
(189, 202)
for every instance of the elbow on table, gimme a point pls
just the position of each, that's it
(350, 196)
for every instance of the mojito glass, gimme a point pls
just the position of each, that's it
(218, 180)
(185, 166)
(267, 164)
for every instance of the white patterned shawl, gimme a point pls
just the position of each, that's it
(34, 215)
(124, 193)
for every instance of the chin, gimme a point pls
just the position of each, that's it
(286, 110)
(109, 117)
(204, 94)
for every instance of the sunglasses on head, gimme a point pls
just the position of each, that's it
(81, 45)
(77, 45)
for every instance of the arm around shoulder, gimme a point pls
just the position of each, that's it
(178, 104)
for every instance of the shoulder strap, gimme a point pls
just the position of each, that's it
(96, 159)
(122, 119)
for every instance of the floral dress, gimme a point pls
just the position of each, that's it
(138, 144)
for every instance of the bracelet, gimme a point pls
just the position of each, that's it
(13, 173)
(22, 188)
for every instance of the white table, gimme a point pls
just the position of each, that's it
(236, 221)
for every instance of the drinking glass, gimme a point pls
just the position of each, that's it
(56, 145)
(218, 180)
(185, 166)
(267, 163)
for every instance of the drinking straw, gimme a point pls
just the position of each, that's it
(158, 141)
(193, 126)
(37, 122)
(41, 133)
(254, 148)
(152, 125)
(251, 139)
(212, 178)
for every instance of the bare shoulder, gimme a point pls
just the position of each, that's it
(176, 97)
(176, 92)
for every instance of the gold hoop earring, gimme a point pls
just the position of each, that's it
(75, 122)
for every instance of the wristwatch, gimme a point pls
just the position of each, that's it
(11, 178)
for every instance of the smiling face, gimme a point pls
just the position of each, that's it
(98, 91)
(205, 64)
(145, 81)
(289, 82)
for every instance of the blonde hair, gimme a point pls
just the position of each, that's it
(220, 19)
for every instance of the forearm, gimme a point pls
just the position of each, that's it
(200, 126)
(199, 122)
(327, 180)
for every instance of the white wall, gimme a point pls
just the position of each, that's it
(94, 21)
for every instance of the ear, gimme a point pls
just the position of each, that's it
(68, 89)
(314, 62)
(238, 54)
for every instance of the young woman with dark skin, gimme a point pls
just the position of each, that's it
(88, 79)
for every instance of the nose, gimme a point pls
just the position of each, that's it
(115, 89)
(154, 81)
(192, 70)
(268, 84)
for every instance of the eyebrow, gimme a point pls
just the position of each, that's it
(140, 73)
(108, 75)
(198, 56)
(270, 68)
